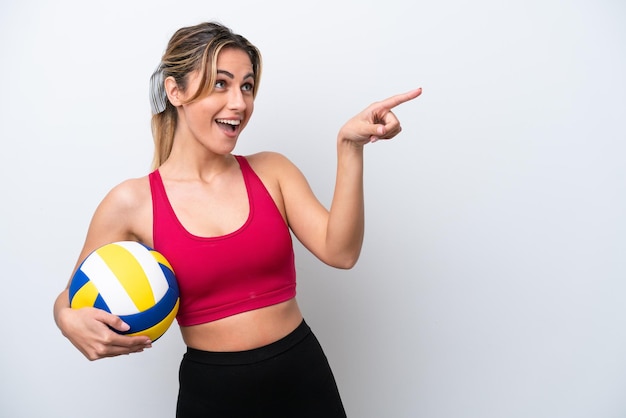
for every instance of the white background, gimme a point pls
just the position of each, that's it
(492, 279)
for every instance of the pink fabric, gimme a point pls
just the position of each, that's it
(248, 269)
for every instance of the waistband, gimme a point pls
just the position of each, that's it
(255, 355)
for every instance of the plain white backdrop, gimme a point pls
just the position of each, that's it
(493, 276)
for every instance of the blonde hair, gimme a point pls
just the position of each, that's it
(190, 49)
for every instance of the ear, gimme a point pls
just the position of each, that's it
(174, 93)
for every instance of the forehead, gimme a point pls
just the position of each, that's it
(234, 58)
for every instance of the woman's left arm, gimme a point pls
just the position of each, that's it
(335, 236)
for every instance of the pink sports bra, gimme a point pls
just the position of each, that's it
(250, 268)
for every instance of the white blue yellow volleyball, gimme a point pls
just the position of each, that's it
(132, 281)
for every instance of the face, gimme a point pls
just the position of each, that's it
(216, 120)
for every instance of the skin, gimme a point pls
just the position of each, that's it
(201, 176)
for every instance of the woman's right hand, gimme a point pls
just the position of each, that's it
(90, 330)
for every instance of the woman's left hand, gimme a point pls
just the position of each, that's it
(377, 121)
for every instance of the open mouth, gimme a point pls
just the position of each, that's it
(229, 124)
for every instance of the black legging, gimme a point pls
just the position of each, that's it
(290, 378)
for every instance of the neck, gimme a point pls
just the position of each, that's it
(196, 167)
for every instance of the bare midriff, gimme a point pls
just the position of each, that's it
(245, 331)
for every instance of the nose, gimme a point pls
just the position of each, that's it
(236, 100)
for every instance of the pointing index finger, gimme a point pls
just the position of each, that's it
(398, 99)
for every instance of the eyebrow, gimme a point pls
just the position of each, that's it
(230, 75)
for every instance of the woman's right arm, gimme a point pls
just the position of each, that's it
(90, 329)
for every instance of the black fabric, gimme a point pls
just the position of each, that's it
(290, 378)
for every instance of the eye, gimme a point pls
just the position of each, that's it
(220, 84)
(247, 87)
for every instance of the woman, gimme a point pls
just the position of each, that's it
(223, 222)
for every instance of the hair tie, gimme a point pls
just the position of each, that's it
(158, 97)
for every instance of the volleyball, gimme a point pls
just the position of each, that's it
(132, 281)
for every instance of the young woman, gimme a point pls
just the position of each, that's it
(223, 221)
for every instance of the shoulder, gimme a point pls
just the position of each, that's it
(271, 165)
(129, 194)
(126, 204)
(280, 176)
(267, 158)
(124, 214)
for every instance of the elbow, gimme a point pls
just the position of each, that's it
(346, 266)
(345, 261)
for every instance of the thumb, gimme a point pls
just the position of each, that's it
(114, 322)
(379, 131)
